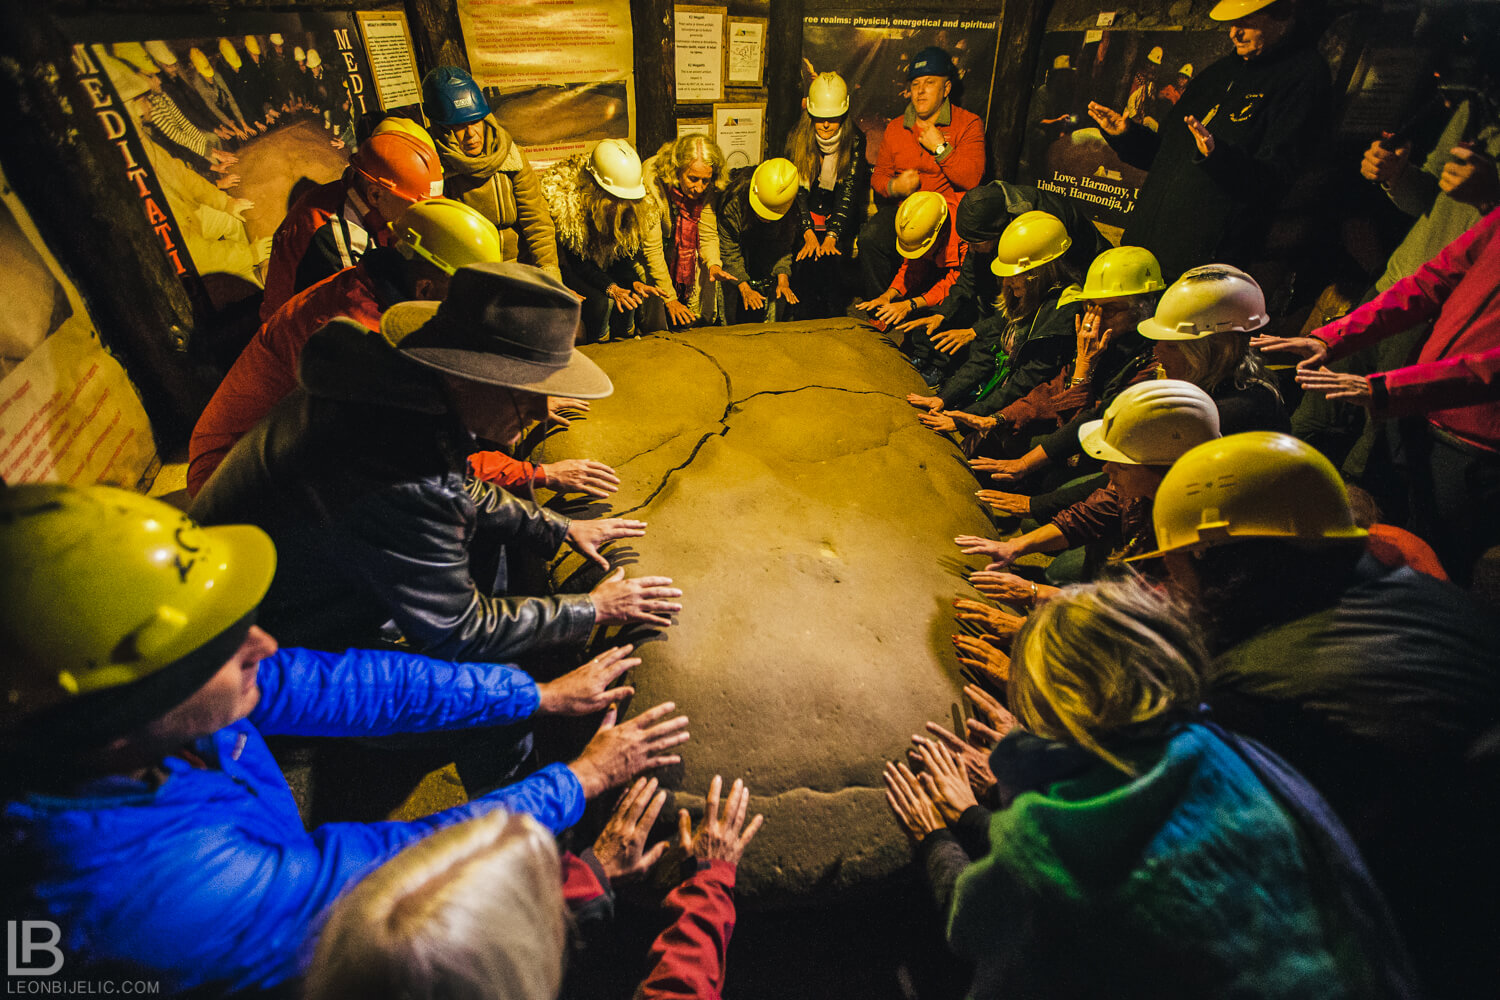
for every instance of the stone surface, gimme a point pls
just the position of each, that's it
(809, 518)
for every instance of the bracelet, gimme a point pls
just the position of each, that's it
(1033, 593)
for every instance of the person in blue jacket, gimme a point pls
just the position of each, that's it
(148, 832)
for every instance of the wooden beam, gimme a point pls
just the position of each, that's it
(655, 74)
(1021, 27)
(436, 34)
(783, 72)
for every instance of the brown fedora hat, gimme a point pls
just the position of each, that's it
(501, 324)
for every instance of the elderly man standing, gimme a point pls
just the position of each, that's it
(359, 477)
(1234, 144)
(934, 146)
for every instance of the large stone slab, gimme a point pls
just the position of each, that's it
(809, 520)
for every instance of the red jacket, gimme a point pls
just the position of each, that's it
(961, 168)
(933, 273)
(1456, 380)
(266, 372)
(688, 958)
(317, 217)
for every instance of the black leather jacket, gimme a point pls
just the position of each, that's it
(845, 204)
(359, 478)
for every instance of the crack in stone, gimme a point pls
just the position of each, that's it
(667, 476)
(830, 388)
(728, 383)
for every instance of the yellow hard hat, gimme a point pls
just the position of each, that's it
(1214, 298)
(1031, 240)
(773, 188)
(252, 45)
(397, 123)
(134, 53)
(102, 589)
(230, 55)
(828, 97)
(200, 63)
(161, 53)
(1186, 70)
(447, 234)
(1154, 56)
(919, 220)
(1260, 484)
(1123, 271)
(1152, 423)
(1233, 10)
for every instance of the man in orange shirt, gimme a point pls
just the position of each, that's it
(935, 146)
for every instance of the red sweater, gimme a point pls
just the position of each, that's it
(961, 168)
(1456, 380)
(688, 958)
(266, 372)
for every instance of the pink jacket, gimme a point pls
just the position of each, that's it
(1456, 380)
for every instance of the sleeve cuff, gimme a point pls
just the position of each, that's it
(929, 844)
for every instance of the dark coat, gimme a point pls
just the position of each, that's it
(359, 478)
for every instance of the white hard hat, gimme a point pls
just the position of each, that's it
(617, 168)
(1214, 298)
(1152, 423)
(828, 97)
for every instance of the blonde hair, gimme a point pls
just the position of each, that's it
(674, 157)
(473, 912)
(1102, 657)
(1223, 356)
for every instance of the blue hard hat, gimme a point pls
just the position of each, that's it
(931, 61)
(451, 97)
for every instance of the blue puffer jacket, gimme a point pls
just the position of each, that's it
(209, 881)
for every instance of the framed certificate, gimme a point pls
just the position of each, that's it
(747, 52)
(740, 131)
(699, 33)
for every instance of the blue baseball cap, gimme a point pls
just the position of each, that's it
(931, 61)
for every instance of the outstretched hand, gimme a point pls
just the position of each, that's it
(972, 754)
(1311, 350)
(915, 811)
(984, 659)
(1341, 386)
(621, 847)
(943, 779)
(1000, 624)
(587, 690)
(1110, 121)
(646, 599)
(720, 837)
(618, 753)
(587, 537)
(582, 475)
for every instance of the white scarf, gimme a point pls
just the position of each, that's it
(828, 177)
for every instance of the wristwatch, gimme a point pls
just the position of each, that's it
(942, 148)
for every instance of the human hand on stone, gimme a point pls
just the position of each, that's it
(973, 545)
(973, 421)
(1344, 387)
(587, 690)
(943, 779)
(998, 721)
(644, 291)
(561, 410)
(974, 758)
(1007, 588)
(679, 314)
(999, 623)
(621, 847)
(894, 312)
(875, 303)
(648, 599)
(929, 403)
(239, 206)
(618, 753)
(830, 247)
(1110, 121)
(750, 298)
(1005, 504)
(926, 324)
(949, 341)
(916, 813)
(987, 662)
(1001, 470)
(587, 536)
(938, 421)
(581, 475)
(720, 837)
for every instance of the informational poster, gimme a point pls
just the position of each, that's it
(219, 124)
(740, 131)
(695, 126)
(1140, 74)
(747, 51)
(872, 52)
(68, 413)
(556, 73)
(699, 37)
(393, 65)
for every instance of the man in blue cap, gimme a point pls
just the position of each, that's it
(934, 146)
